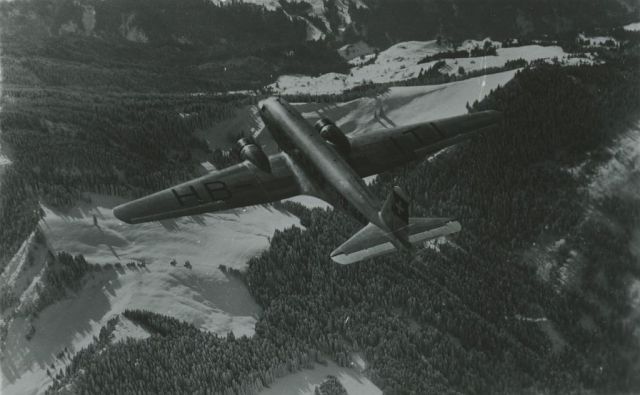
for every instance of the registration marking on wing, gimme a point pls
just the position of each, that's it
(189, 196)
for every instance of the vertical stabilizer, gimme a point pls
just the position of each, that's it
(395, 214)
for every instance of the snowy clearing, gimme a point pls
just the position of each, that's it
(126, 329)
(202, 295)
(406, 105)
(3, 159)
(598, 41)
(617, 175)
(400, 62)
(306, 381)
(632, 27)
(309, 201)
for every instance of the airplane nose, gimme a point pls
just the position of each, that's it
(262, 105)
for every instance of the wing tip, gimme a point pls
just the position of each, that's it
(341, 258)
(120, 212)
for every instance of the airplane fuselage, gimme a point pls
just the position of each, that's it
(326, 173)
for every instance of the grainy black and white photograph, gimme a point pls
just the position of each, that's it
(320, 197)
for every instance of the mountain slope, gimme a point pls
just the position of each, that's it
(387, 21)
(471, 317)
(132, 270)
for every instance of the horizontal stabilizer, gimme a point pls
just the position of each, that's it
(371, 241)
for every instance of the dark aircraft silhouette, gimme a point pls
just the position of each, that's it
(324, 162)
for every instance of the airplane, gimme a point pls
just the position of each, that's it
(324, 162)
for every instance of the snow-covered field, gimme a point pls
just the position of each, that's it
(596, 41)
(400, 62)
(3, 159)
(620, 174)
(632, 27)
(202, 294)
(305, 382)
(406, 105)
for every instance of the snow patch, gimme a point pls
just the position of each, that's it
(88, 18)
(400, 62)
(309, 202)
(406, 105)
(69, 27)
(358, 362)
(471, 44)
(598, 41)
(313, 33)
(125, 329)
(620, 174)
(131, 32)
(268, 4)
(632, 27)
(306, 381)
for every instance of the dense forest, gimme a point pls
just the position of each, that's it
(156, 45)
(385, 22)
(470, 316)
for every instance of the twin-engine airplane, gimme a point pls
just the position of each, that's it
(324, 162)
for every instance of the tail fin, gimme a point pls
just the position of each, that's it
(395, 214)
(371, 241)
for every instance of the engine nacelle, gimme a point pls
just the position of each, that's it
(251, 152)
(331, 133)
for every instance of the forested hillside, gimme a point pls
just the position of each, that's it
(473, 315)
(126, 84)
(165, 46)
(387, 21)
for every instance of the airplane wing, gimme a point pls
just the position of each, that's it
(236, 186)
(373, 152)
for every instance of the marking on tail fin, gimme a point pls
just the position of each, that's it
(400, 205)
